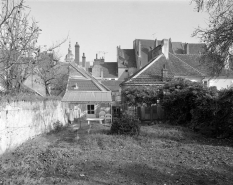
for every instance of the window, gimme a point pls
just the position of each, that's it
(90, 109)
(205, 83)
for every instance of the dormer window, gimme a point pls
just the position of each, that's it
(76, 86)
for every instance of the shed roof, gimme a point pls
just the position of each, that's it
(87, 96)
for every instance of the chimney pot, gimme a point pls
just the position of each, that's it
(77, 53)
(187, 48)
(83, 60)
(165, 48)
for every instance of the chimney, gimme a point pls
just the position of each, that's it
(156, 43)
(101, 73)
(164, 73)
(77, 53)
(96, 56)
(139, 48)
(187, 48)
(83, 60)
(165, 48)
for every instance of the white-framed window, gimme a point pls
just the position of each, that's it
(91, 109)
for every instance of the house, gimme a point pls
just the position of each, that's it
(102, 70)
(180, 61)
(177, 60)
(114, 86)
(84, 91)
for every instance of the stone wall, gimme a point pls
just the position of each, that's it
(20, 121)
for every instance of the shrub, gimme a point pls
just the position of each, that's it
(180, 99)
(126, 125)
(57, 126)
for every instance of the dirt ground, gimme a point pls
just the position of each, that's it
(160, 155)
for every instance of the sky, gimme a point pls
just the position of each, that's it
(100, 26)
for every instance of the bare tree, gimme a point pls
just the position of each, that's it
(19, 52)
(8, 9)
(18, 37)
(219, 34)
(51, 72)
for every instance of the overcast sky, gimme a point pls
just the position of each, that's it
(103, 25)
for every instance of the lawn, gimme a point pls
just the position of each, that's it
(161, 154)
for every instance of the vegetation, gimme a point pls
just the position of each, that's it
(161, 154)
(51, 72)
(189, 104)
(20, 55)
(125, 125)
(203, 109)
(218, 36)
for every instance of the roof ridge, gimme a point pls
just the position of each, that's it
(188, 65)
(190, 54)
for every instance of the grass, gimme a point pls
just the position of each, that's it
(162, 154)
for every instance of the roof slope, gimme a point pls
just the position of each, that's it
(126, 58)
(152, 72)
(87, 97)
(82, 87)
(194, 61)
(113, 85)
(177, 48)
(110, 69)
(196, 48)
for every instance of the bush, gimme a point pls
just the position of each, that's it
(57, 126)
(203, 109)
(126, 125)
(180, 100)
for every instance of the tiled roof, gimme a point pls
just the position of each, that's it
(194, 61)
(110, 69)
(86, 97)
(82, 85)
(113, 85)
(177, 47)
(146, 46)
(153, 73)
(147, 43)
(196, 48)
(127, 58)
(81, 74)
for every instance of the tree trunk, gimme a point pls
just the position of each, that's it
(47, 90)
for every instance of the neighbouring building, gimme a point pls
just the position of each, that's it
(167, 59)
(84, 91)
(102, 70)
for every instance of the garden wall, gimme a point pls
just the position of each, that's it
(20, 121)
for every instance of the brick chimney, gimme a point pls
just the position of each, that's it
(76, 53)
(83, 60)
(139, 48)
(164, 73)
(165, 48)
